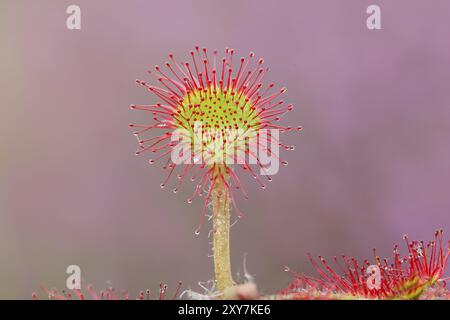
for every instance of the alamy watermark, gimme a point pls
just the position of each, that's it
(373, 281)
(231, 146)
(373, 22)
(73, 281)
(73, 21)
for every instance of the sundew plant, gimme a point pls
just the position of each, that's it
(215, 121)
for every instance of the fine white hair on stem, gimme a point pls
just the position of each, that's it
(209, 291)
(247, 275)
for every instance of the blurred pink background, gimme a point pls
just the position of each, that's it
(372, 163)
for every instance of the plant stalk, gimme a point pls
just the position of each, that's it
(221, 234)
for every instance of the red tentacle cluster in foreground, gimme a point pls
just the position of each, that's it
(108, 294)
(402, 278)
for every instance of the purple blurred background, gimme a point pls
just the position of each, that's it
(372, 163)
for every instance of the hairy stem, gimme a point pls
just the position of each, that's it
(221, 233)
